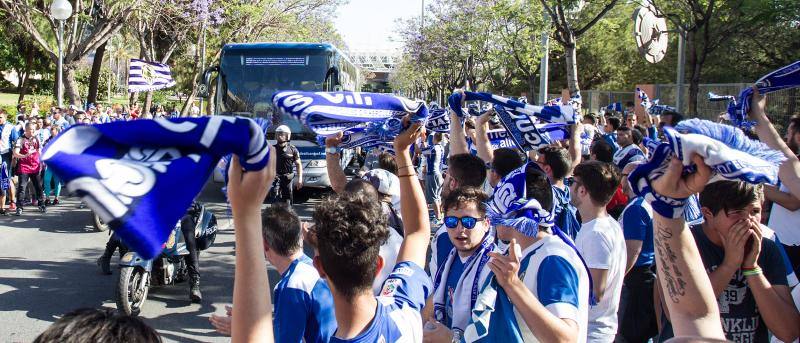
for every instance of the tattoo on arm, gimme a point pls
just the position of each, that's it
(667, 258)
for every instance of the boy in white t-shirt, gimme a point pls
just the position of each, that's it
(601, 243)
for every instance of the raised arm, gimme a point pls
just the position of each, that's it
(335, 171)
(252, 315)
(413, 208)
(482, 143)
(458, 139)
(685, 285)
(575, 145)
(787, 200)
(789, 172)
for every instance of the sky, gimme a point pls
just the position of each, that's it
(370, 24)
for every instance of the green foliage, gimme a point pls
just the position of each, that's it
(82, 75)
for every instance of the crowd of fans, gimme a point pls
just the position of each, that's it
(418, 250)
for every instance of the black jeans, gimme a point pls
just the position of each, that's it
(285, 187)
(193, 259)
(637, 316)
(36, 181)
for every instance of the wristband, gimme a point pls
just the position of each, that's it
(332, 150)
(407, 175)
(752, 271)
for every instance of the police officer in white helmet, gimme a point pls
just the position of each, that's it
(287, 162)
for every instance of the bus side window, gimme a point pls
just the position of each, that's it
(331, 83)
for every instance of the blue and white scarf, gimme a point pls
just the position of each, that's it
(726, 149)
(656, 109)
(141, 176)
(553, 114)
(500, 138)
(474, 276)
(525, 133)
(509, 206)
(438, 121)
(377, 116)
(784, 78)
(644, 99)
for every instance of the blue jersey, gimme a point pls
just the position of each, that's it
(433, 156)
(628, 154)
(303, 305)
(637, 224)
(440, 248)
(611, 139)
(456, 269)
(397, 317)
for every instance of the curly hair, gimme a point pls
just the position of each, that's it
(98, 325)
(350, 230)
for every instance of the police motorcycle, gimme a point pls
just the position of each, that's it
(137, 274)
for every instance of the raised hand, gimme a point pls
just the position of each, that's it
(674, 185)
(506, 268)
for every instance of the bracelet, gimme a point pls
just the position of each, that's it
(406, 166)
(751, 271)
(407, 175)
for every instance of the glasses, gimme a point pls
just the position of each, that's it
(569, 181)
(451, 222)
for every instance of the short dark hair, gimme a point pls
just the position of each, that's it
(386, 161)
(538, 187)
(353, 228)
(590, 117)
(281, 229)
(629, 104)
(600, 179)
(98, 325)
(615, 122)
(467, 169)
(641, 129)
(464, 195)
(637, 136)
(558, 159)
(676, 117)
(506, 160)
(729, 195)
(623, 128)
(602, 151)
(362, 187)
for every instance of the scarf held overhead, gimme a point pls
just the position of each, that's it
(783, 78)
(554, 114)
(141, 176)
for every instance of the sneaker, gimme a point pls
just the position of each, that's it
(47, 202)
(18, 212)
(55, 202)
(12, 206)
(4, 213)
(43, 208)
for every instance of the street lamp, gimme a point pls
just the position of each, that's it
(61, 10)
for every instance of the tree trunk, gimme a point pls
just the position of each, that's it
(25, 75)
(148, 102)
(532, 88)
(94, 77)
(71, 90)
(572, 66)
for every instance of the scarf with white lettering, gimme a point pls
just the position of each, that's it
(141, 176)
(369, 117)
(525, 133)
(724, 148)
(553, 114)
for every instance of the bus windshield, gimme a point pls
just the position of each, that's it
(248, 79)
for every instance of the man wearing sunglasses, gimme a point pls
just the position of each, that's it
(458, 278)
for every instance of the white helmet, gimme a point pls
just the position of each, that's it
(285, 129)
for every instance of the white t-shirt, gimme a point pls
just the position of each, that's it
(796, 298)
(784, 222)
(602, 245)
(389, 253)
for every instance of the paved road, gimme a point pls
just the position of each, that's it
(47, 268)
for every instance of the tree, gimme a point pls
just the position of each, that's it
(571, 20)
(709, 25)
(19, 53)
(93, 22)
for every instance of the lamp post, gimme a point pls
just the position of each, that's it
(60, 10)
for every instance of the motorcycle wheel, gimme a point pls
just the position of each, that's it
(98, 223)
(132, 288)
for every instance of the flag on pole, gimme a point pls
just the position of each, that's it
(146, 76)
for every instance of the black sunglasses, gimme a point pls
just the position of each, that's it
(451, 222)
(569, 181)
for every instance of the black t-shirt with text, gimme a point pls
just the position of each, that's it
(737, 305)
(287, 155)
